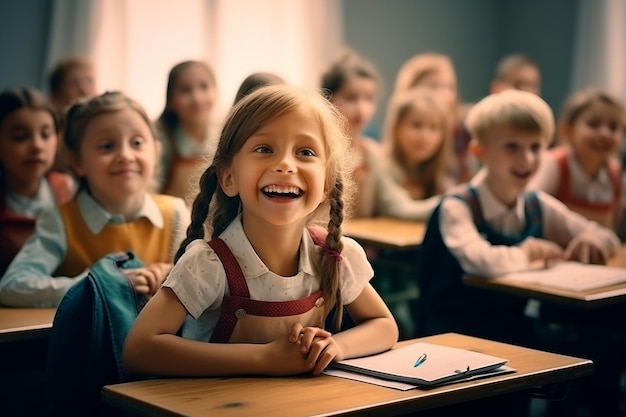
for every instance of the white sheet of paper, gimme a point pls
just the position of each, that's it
(572, 276)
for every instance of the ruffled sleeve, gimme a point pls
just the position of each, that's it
(198, 279)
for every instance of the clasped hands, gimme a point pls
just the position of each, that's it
(303, 349)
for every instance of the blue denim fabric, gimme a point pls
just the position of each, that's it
(88, 333)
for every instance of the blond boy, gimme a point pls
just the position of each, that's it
(493, 226)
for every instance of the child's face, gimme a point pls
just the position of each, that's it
(419, 134)
(442, 85)
(117, 156)
(28, 144)
(78, 83)
(357, 101)
(597, 133)
(525, 78)
(192, 96)
(512, 158)
(279, 173)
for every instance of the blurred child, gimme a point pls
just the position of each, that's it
(494, 226)
(113, 152)
(266, 280)
(353, 85)
(585, 173)
(28, 145)
(519, 72)
(72, 79)
(435, 73)
(417, 139)
(254, 81)
(184, 126)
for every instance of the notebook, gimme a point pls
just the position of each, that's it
(573, 276)
(442, 365)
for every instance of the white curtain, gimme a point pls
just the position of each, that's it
(600, 54)
(134, 43)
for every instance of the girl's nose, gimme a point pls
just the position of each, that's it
(285, 165)
(126, 153)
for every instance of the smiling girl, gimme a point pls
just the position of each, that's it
(114, 154)
(585, 173)
(259, 288)
(28, 145)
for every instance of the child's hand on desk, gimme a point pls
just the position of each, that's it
(317, 345)
(541, 250)
(148, 280)
(590, 247)
(285, 356)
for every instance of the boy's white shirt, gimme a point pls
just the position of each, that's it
(477, 256)
(594, 190)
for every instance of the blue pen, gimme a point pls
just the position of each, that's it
(420, 360)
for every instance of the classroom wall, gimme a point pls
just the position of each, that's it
(474, 33)
(24, 27)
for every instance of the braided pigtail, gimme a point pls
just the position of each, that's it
(330, 264)
(200, 209)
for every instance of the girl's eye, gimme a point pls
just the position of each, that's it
(263, 149)
(20, 136)
(535, 147)
(138, 141)
(46, 134)
(307, 152)
(105, 146)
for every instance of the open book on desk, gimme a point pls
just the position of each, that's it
(572, 276)
(442, 365)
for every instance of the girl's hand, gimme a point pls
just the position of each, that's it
(285, 357)
(317, 345)
(148, 280)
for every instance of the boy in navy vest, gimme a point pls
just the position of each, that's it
(493, 226)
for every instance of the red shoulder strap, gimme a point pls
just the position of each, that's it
(234, 274)
(560, 157)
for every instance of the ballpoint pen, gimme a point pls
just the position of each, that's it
(420, 360)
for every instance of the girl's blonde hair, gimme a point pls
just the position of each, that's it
(578, 102)
(430, 172)
(419, 66)
(213, 209)
(81, 113)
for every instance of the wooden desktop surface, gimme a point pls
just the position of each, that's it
(25, 323)
(596, 297)
(330, 396)
(386, 232)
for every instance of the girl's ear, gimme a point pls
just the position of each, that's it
(476, 149)
(75, 164)
(227, 182)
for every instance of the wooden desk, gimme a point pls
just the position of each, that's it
(326, 395)
(597, 297)
(25, 323)
(386, 232)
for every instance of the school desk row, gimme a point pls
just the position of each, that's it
(20, 324)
